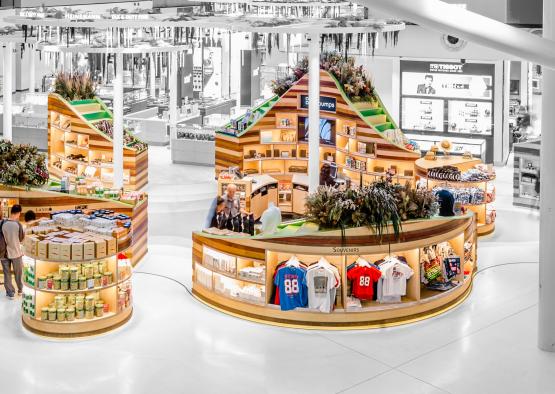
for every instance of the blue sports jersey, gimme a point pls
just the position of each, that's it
(292, 290)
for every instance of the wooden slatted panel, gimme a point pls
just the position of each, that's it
(229, 150)
(135, 162)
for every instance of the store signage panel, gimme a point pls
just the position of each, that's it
(328, 104)
(447, 97)
(447, 80)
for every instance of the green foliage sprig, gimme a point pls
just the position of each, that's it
(22, 165)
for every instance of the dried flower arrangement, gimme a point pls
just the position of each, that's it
(375, 206)
(75, 86)
(356, 83)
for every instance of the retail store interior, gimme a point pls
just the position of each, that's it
(191, 220)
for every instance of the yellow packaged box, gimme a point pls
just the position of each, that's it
(54, 251)
(100, 247)
(65, 251)
(88, 250)
(77, 251)
(42, 250)
(31, 245)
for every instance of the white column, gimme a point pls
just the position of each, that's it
(546, 306)
(173, 96)
(240, 82)
(32, 72)
(7, 91)
(314, 113)
(118, 122)
(152, 75)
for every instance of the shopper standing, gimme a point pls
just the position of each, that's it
(13, 235)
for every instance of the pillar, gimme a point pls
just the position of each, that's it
(313, 113)
(173, 96)
(7, 91)
(32, 70)
(546, 306)
(118, 123)
(152, 75)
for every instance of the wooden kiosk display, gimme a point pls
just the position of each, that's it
(111, 284)
(223, 271)
(360, 139)
(78, 148)
(485, 213)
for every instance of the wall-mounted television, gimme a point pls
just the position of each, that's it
(327, 130)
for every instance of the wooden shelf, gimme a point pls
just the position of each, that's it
(52, 291)
(82, 137)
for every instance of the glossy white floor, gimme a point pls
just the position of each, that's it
(176, 345)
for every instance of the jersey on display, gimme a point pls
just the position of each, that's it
(320, 282)
(292, 288)
(363, 279)
(395, 276)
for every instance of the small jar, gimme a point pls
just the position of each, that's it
(59, 301)
(61, 314)
(70, 299)
(80, 313)
(64, 273)
(42, 282)
(73, 285)
(88, 271)
(99, 310)
(44, 313)
(64, 285)
(51, 314)
(74, 273)
(57, 282)
(82, 283)
(97, 280)
(107, 278)
(89, 302)
(90, 283)
(89, 313)
(70, 313)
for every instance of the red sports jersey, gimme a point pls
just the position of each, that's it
(363, 279)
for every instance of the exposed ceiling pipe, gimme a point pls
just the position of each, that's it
(470, 26)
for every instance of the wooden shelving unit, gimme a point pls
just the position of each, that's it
(115, 296)
(364, 147)
(485, 223)
(77, 148)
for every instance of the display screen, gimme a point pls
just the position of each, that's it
(327, 130)
(423, 114)
(470, 117)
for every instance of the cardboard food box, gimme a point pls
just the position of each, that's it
(54, 251)
(42, 250)
(65, 251)
(77, 250)
(31, 245)
(100, 247)
(88, 250)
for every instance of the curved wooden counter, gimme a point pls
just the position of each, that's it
(309, 245)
